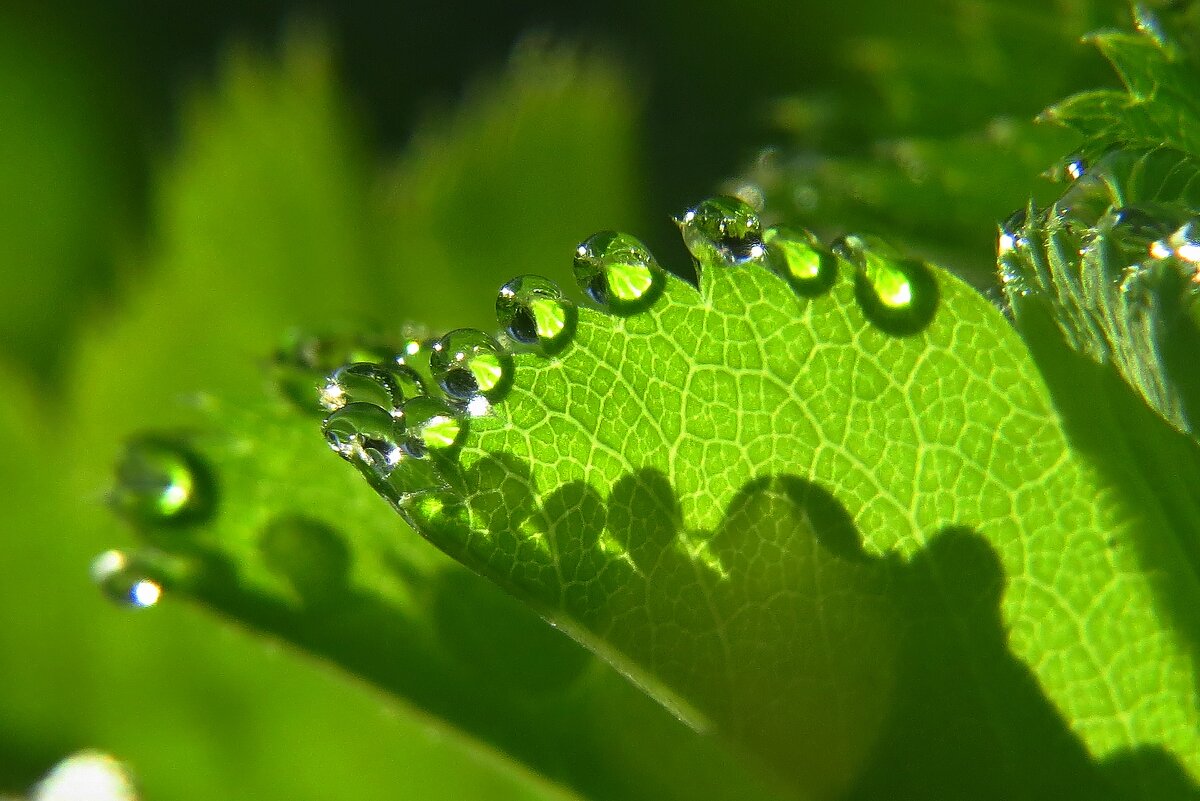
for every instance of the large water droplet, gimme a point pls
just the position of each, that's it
(431, 425)
(1130, 234)
(366, 435)
(385, 385)
(124, 581)
(467, 363)
(618, 272)
(1183, 243)
(723, 228)
(304, 361)
(797, 256)
(533, 311)
(897, 294)
(160, 482)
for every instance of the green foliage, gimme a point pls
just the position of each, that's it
(1111, 261)
(765, 508)
(812, 525)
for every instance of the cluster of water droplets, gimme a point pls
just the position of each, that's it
(162, 488)
(415, 402)
(1116, 259)
(897, 294)
(1128, 218)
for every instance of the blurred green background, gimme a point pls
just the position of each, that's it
(182, 183)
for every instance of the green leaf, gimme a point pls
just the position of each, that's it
(267, 221)
(942, 69)
(845, 530)
(66, 175)
(1113, 261)
(223, 707)
(1160, 66)
(282, 537)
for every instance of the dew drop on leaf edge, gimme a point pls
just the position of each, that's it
(431, 425)
(364, 434)
(383, 384)
(160, 482)
(725, 228)
(799, 258)
(618, 272)
(124, 582)
(303, 361)
(533, 311)
(467, 363)
(898, 295)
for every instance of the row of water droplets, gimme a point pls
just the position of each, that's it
(1135, 206)
(393, 405)
(419, 402)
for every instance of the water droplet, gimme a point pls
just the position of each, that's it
(1011, 236)
(441, 511)
(798, 257)
(125, 581)
(364, 434)
(897, 294)
(159, 482)
(385, 385)
(618, 272)
(431, 425)
(533, 311)
(1075, 167)
(1183, 244)
(1186, 242)
(301, 365)
(467, 363)
(725, 229)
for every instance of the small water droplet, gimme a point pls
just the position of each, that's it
(302, 364)
(364, 434)
(438, 510)
(467, 362)
(899, 295)
(125, 581)
(1186, 242)
(430, 425)
(533, 311)
(385, 385)
(160, 482)
(1011, 236)
(798, 257)
(1075, 167)
(618, 272)
(724, 229)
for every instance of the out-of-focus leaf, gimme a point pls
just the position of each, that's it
(511, 182)
(265, 223)
(64, 201)
(195, 706)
